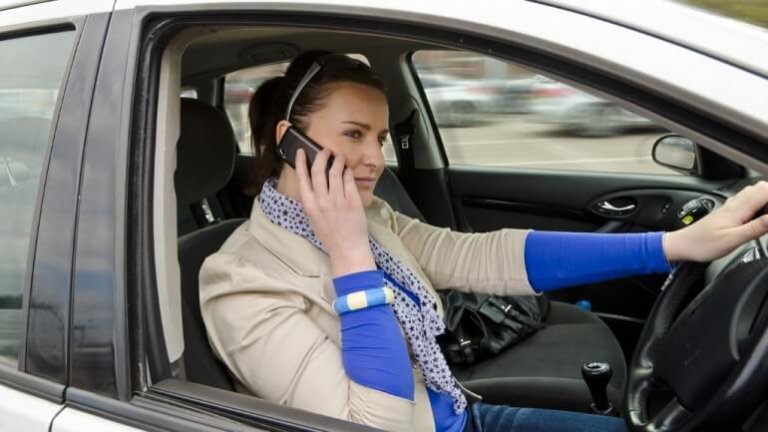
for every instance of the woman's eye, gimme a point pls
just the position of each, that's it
(355, 134)
(382, 140)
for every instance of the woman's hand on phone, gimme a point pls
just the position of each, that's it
(335, 211)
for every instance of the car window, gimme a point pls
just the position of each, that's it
(489, 112)
(28, 94)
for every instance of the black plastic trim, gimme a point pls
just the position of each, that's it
(50, 294)
(527, 208)
(148, 416)
(99, 344)
(31, 384)
(53, 27)
(254, 411)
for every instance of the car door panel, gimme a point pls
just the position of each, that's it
(487, 199)
(566, 200)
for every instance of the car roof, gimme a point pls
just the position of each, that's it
(718, 36)
(727, 39)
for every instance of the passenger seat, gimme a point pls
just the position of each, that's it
(205, 160)
(545, 369)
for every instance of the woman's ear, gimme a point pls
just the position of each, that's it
(282, 126)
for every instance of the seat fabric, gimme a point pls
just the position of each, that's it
(545, 369)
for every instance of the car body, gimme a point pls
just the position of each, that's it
(91, 322)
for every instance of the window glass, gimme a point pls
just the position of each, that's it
(29, 88)
(489, 112)
(240, 85)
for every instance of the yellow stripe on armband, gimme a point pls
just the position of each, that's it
(357, 300)
(363, 299)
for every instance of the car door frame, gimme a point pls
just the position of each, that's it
(148, 381)
(45, 296)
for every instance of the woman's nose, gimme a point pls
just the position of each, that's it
(373, 156)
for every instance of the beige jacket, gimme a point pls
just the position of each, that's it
(266, 301)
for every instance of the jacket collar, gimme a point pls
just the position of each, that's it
(307, 260)
(292, 249)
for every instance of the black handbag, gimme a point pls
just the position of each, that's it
(480, 326)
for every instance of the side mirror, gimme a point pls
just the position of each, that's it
(678, 153)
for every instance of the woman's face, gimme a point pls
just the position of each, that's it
(353, 121)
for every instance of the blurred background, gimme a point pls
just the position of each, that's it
(492, 112)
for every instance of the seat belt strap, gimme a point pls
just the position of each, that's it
(404, 132)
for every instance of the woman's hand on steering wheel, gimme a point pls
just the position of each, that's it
(723, 230)
(335, 211)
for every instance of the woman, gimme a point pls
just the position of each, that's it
(325, 299)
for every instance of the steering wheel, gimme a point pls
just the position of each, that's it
(707, 346)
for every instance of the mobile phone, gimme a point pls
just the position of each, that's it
(294, 139)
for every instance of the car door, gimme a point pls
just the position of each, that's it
(539, 153)
(124, 354)
(38, 51)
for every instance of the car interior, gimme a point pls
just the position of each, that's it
(207, 171)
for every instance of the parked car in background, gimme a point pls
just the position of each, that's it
(459, 102)
(580, 113)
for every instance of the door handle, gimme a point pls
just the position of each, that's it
(605, 207)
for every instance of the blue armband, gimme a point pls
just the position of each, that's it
(373, 350)
(560, 259)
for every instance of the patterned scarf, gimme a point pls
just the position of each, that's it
(420, 324)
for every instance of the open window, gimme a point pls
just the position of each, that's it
(214, 52)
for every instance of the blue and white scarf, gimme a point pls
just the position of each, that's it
(420, 324)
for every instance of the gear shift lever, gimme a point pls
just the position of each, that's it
(597, 375)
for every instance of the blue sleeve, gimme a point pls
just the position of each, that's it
(372, 348)
(560, 259)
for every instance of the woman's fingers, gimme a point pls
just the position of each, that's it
(319, 180)
(335, 179)
(749, 231)
(350, 189)
(305, 185)
(751, 200)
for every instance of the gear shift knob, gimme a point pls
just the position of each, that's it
(597, 375)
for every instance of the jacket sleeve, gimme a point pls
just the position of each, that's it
(259, 327)
(492, 263)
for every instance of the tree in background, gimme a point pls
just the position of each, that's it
(752, 11)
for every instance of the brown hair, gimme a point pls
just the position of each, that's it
(269, 103)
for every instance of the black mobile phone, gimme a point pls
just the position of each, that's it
(294, 139)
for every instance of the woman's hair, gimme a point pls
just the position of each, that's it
(269, 103)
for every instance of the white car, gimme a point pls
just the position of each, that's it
(102, 237)
(458, 102)
(579, 112)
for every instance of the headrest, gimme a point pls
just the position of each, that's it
(205, 155)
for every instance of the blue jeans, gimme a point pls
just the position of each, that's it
(499, 418)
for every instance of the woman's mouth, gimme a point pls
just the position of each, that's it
(366, 182)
